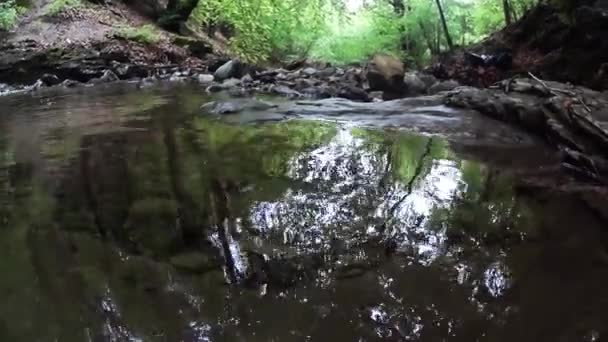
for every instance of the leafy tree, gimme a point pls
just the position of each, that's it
(9, 12)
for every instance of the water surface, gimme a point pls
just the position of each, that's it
(129, 215)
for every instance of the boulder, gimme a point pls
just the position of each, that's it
(70, 83)
(205, 78)
(231, 69)
(283, 90)
(353, 93)
(386, 73)
(108, 76)
(443, 86)
(50, 79)
(414, 86)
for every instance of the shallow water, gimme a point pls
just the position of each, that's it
(128, 215)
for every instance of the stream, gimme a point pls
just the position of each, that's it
(133, 215)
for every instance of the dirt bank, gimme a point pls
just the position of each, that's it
(564, 47)
(80, 44)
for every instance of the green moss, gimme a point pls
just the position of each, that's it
(147, 34)
(58, 6)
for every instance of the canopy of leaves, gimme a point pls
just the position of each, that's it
(344, 31)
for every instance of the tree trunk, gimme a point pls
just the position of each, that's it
(427, 38)
(507, 10)
(445, 26)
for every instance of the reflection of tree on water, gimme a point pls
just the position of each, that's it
(299, 207)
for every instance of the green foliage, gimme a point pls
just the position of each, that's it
(264, 29)
(147, 34)
(58, 6)
(331, 30)
(9, 12)
(356, 37)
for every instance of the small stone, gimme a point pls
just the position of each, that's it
(247, 79)
(70, 83)
(309, 71)
(205, 78)
(36, 86)
(231, 82)
(50, 79)
(284, 91)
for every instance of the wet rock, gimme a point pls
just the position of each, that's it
(247, 79)
(236, 106)
(428, 79)
(268, 76)
(231, 83)
(303, 83)
(386, 73)
(107, 77)
(50, 80)
(443, 86)
(177, 77)
(232, 69)
(126, 71)
(146, 82)
(353, 93)
(309, 71)
(284, 91)
(205, 78)
(36, 86)
(322, 92)
(70, 83)
(214, 88)
(414, 86)
(196, 262)
(4, 88)
(376, 95)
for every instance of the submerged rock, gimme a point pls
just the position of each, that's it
(236, 106)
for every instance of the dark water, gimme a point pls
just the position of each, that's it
(127, 215)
